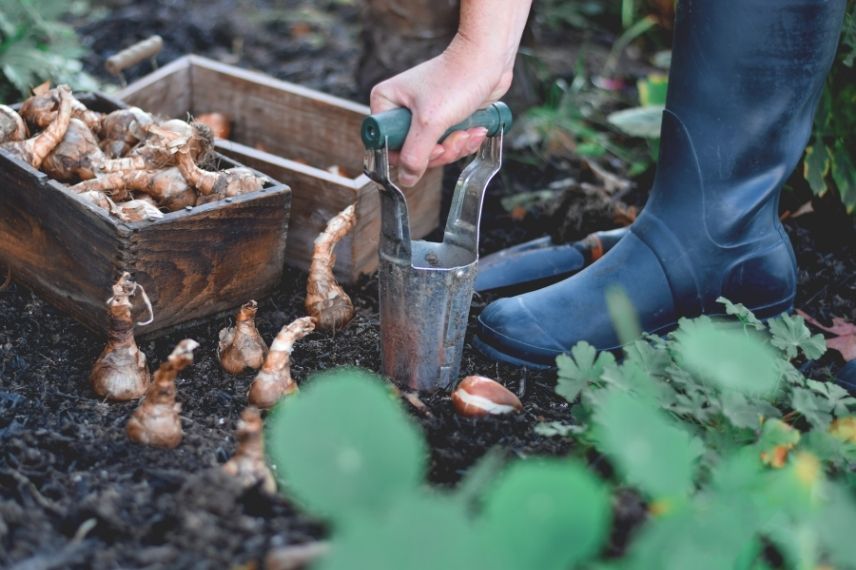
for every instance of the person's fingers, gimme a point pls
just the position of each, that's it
(418, 146)
(382, 98)
(459, 146)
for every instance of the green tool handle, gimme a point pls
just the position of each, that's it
(392, 126)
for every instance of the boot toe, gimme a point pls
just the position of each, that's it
(509, 327)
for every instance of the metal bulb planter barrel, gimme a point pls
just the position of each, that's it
(426, 288)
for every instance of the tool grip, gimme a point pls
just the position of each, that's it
(133, 55)
(391, 127)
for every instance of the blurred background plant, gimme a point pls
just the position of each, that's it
(830, 159)
(37, 45)
(610, 110)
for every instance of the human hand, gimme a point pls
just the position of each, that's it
(439, 93)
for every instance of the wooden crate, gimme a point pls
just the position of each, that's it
(193, 263)
(292, 134)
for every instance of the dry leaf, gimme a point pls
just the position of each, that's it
(844, 340)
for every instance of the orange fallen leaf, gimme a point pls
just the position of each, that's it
(844, 340)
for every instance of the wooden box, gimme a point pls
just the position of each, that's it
(294, 135)
(193, 263)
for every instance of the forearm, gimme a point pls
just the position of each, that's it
(492, 29)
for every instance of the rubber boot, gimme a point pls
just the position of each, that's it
(744, 85)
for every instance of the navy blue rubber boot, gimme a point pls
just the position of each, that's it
(744, 85)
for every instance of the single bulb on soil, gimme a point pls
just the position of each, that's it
(248, 464)
(120, 373)
(480, 396)
(326, 301)
(241, 346)
(274, 381)
(156, 421)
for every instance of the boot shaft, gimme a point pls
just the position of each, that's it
(744, 85)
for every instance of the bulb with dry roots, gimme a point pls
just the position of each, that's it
(122, 130)
(41, 109)
(161, 144)
(120, 372)
(36, 149)
(167, 187)
(156, 421)
(241, 346)
(218, 185)
(136, 210)
(326, 301)
(12, 126)
(77, 156)
(98, 199)
(248, 464)
(274, 381)
(481, 396)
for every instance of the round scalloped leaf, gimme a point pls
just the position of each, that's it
(544, 514)
(422, 531)
(344, 447)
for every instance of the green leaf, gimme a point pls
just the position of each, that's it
(812, 406)
(835, 524)
(649, 450)
(343, 447)
(745, 413)
(479, 477)
(713, 535)
(743, 314)
(623, 315)
(546, 514)
(729, 359)
(421, 531)
(653, 89)
(790, 334)
(830, 449)
(653, 359)
(816, 166)
(844, 174)
(583, 367)
(641, 122)
(839, 400)
(776, 441)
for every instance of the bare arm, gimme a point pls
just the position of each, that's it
(475, 70)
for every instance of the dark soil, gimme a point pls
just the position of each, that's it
(77, 494)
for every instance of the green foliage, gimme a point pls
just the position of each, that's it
(549, 515)
(734, 449)
(650, 450)
(581, 368)
(366, 460)
(345, 450)
(830, 159)
(791, 335)
(36, 46)
(575, 119)
(733, 446)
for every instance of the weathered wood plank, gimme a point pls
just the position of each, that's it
(211, 258)
(65, 250)
(165, 91)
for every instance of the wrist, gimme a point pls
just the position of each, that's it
(484, 53)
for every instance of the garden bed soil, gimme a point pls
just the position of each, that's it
(75, 493)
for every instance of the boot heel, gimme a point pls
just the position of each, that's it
(765, 282)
